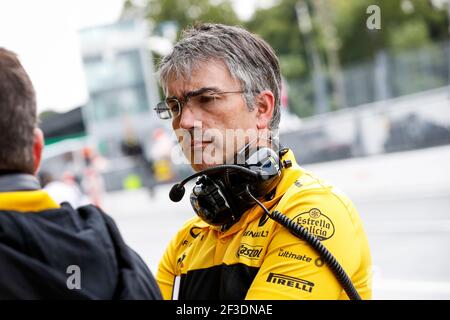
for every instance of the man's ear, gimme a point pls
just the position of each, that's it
(265, 103)
(38, 146)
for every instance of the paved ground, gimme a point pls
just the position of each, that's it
(403, 198)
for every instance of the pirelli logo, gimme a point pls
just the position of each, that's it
(288, 281)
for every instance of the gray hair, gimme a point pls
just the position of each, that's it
(249, 59)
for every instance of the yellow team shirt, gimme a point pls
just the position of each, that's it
(257, 258)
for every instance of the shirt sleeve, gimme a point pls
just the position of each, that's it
(166, 270)
(291, 268)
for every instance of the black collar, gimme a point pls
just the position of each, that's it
(18, 182)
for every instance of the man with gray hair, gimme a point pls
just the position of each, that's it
(222, 87)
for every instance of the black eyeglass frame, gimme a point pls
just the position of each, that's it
(163, 105)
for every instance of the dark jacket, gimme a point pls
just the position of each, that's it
(42, 252)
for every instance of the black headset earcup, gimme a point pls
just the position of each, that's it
(211, 204)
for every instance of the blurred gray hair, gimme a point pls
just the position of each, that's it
(249, 59)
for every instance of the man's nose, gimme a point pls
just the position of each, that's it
(187, 117)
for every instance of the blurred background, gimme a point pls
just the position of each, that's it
(365, 105)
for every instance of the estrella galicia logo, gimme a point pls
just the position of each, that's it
(289, 281)
(249, 252)
(316, 223)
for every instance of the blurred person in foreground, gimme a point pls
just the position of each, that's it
(220, 79)
(48, 250)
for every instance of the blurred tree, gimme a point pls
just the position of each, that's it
(343, 38)
(278, 25)
(418, 20)
(411, 34)
(187, 12)
(339, 32)
(404, 24)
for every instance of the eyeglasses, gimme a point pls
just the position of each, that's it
(204, 98)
